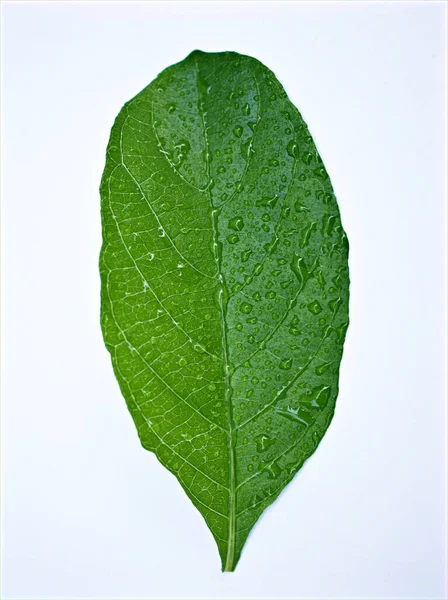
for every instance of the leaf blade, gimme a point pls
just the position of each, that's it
(204, 206)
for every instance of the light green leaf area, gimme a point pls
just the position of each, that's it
(225, 284)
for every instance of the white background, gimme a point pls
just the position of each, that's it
(87, 513)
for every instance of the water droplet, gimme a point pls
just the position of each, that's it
(246, 109)
(307, 158)
(292, 149)
(296, 414)
(306, 234)
(285, 364)
(263, 442)
(323, 367)
(321, 173)
(245, 255)
(335, 304)
(329, 222)
(300, 207)
(246, 308)
(179, 152)
(236, 223)
(318, 397)
(315, 307)
(269, 201)
(273, 471)
(341, 331)
(299, 269)
(233, 238)
(246, 149)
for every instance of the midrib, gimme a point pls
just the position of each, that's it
(222, 295)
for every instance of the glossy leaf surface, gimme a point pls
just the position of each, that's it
(224, 284)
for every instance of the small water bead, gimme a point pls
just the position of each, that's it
(246, 308)
(299, 269)
(246, 109)
(314, 307)
(273, 471)
(236, 223)
(322, 368)
(233, 238)
(299, 207)
(250, 467)
(285, 364)
(238, 131)
(321, 173)
(306, 234)
(245, 255)
(264, 442)
(307, 158)
(335, 304)
(292, 149)
(341, 331)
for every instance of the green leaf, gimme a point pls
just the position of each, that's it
(225, 284)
